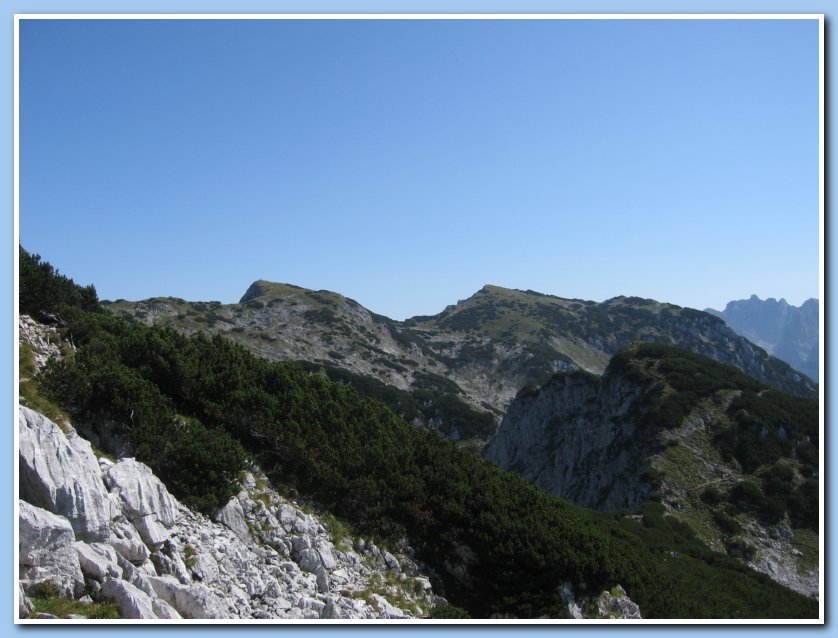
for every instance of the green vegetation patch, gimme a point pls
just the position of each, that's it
(807, 543)
(46, 599)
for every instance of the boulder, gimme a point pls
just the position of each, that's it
(232, 516)
(385, 608)
(60, 473)
(287, 516)
(98, 561)
(136, 576)
(300, 544)
(151, 531)
(204, 568)
(171, 565)
(191, 601)
(322, 579)
(331, 611)
(144, 500)
(47, 551)
(391, 562)
(616, 604)
(163, 610)
(131, 601)
(309, 560)
(327, 557)
(305, 525)
(126, 540)
(140, 492)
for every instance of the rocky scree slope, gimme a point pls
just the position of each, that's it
(110, 531)
(744, 484)
(785, 331)
(461, 367)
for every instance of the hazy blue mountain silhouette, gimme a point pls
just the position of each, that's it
(788, 332)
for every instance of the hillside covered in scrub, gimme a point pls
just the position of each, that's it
(197, 409)
(734, 459)
(456, 371)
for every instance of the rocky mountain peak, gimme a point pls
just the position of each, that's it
(262, 288)
(256, 289)
(788, 332)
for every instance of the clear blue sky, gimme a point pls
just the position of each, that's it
(406, 164)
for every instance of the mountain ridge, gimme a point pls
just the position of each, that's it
(477, 353)
(790, 333)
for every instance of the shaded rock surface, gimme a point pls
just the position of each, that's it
(581, 438)
(573, 438)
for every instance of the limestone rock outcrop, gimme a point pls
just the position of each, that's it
(40, 338)
(60, 473)
(47, 552)
(614, 604)
(113, 529)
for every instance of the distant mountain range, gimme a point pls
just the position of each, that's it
(788, 332)
(457, 371)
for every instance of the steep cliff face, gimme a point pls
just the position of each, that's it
(111, 531)
(575, 437)
(714, 448)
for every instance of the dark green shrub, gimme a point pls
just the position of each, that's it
(447, 611)
(726, 523)
(741, 549)
(747, 495)
(43, 291)
(712, 495)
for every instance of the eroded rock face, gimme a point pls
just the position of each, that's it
(141, 493)
(136, 546)
(191, 601)
(232, 516)
(131, 600)
(616, 604)
(60, 473)
(41, 340)
(573, 439)
(98, 561)
(47, 551)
